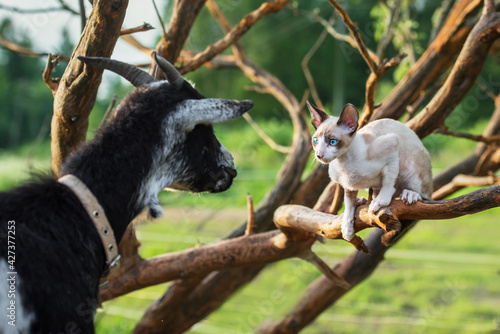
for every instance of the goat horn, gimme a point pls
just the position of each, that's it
(133, 74)
(173, 76)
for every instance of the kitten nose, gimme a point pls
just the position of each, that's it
(320, 156)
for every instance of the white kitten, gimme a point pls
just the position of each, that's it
(385, 155)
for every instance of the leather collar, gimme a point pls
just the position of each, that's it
(98, 217)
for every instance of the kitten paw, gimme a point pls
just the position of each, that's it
(410, 196)
(348, 229)
(378, 203)
(361, 201)
(374, 207)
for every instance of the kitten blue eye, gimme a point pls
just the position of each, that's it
(333, 142)
(315, 140)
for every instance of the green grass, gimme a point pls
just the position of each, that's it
(16, 167)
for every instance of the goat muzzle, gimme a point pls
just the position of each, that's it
(224, 179)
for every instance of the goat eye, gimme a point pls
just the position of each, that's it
(315, 140)
(333, 142)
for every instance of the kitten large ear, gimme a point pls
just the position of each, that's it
(349, 118)
(318, 116)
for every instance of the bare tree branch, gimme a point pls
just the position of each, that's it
(392, 22)
(371, 86)
(339, 36)
(160, 19)
(64, 7)
(136, 44)
(487, 140)
(19, 49)
(269, 141)
(480, 162)
(83, 16)
(356, 35)
(53, 84)
(460, 181)
(246, 23)
(251, 216)
(304, 219)
(143, 27)
(305, 66)
(376, 71)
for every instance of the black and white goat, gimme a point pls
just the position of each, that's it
(51, 256)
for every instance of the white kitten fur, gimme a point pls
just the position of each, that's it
(385, 155)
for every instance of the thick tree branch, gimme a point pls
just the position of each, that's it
(436, 59)
(297, 223)
(304, 219)
(463, 75)
(322, 293)
(247, 250)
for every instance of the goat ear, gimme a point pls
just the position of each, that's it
(318, 116)
(190, 113)
(349, 118)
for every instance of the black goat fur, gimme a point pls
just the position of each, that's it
(59, 257)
